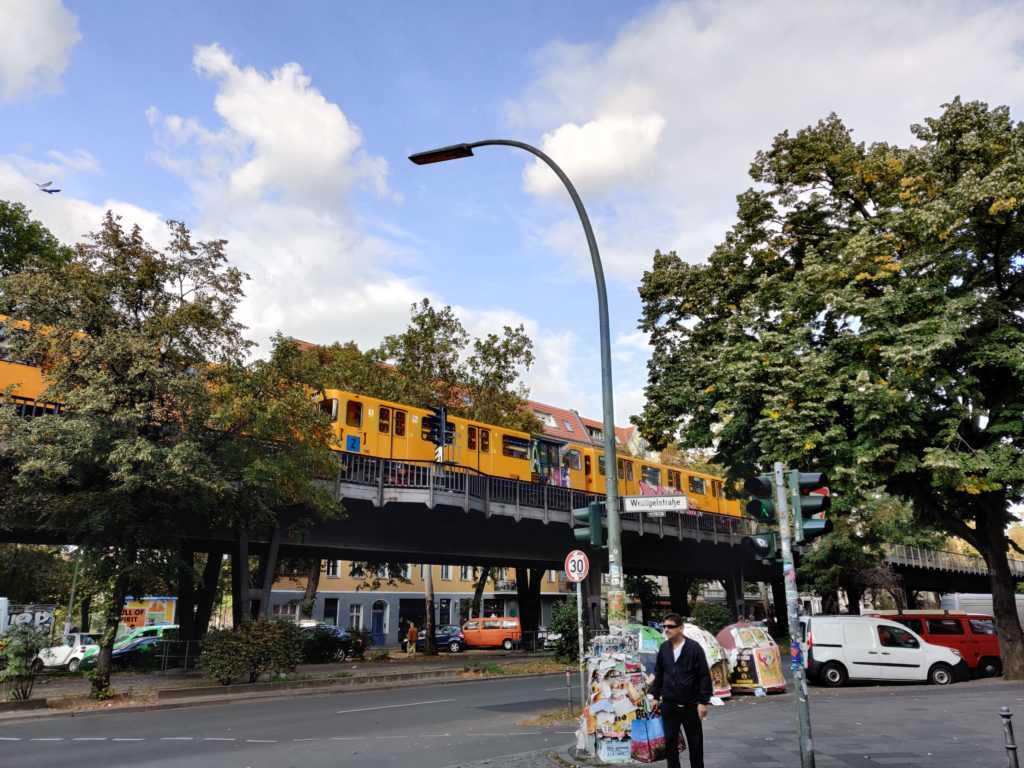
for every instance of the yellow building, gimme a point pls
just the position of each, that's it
(382, 603)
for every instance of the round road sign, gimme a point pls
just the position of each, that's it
(577, 566)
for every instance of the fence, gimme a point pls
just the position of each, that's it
(917, 557)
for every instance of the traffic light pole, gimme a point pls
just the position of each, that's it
(803, 709)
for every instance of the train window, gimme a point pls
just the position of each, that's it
(651, 475)
(716, 488)
(572, 459)
(600, 464)
(384, 420)
(697, 485)
(515, 447)
(354, 413)
(587, 468)
(399, 423)
(485, 441)
(471, 438)
(625, 469)
(330, 408)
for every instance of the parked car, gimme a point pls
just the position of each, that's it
(495, 632)
(446, 638)
(154, 632)
(972, 634)
(843, 648)
(347, 645)
(68, 654)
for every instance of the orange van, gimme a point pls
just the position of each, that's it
(495, 632)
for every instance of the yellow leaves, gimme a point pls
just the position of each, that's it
(862, 276)
(710, 389)
(894, 165)
(774, 415)
(809, 445)
(1002, 204)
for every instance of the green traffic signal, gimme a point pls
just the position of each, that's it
(764, 545)
(588, 527)
(807, 504)
(761, 508)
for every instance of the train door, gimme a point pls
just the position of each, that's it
(478, 449)
(354, 436)
(572, 466)
(716, 495)
(392, 433)
(627, 481)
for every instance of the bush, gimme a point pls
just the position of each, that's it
(251, 650)
(321, 645)
(21, 646)
(563, 622)
(711, 617)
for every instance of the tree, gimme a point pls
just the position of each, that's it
(166, 431)
(25, 244)
(864, 316)
(34, 574)
(646, 591)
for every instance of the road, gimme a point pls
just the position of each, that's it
(434, 726)
(428, 726)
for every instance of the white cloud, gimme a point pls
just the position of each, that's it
(36, 38)
(80, 160)
(603, 151)
(725, 78)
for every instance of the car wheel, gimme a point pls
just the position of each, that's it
(37, 665)
(989, 667)
(940, 674)
(833, 675)
(507, 645)
(454, 646)
(74, 664)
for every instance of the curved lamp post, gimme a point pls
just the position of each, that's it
(616, 592)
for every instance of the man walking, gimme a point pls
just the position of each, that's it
(682, 682)
(410, 640)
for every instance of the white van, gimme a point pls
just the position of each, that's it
(841, 648)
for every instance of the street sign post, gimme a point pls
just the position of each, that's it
(655, 506)
(577, 567)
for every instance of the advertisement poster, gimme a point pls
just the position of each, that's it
(754, 657)
(146, 611)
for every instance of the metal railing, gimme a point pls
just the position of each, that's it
(480, 491)
(916, 557)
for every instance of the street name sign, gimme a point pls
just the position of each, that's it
(655, 506)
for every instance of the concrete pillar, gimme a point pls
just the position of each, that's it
(679, 593)
(729, 582)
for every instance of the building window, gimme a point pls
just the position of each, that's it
(568, 425)
(553, 577)
(697, 485)
(546, 419)
(465, 573)
(332, 568)
(287, 610)
(384, 421)
(423, 572)
(355, 616)
(446, 573)
(399, 423)
(354, 414)
(407, 572)
(357, 571)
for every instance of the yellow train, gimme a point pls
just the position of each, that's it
(374, 427)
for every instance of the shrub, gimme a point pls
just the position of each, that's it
(321, 645)
(563, 622)
(21, 646)
(250, 650)
(711, 617)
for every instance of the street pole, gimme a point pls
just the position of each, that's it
(584, 698)
(616, 587)
(71, 599)
(429, 629)
(803, 710)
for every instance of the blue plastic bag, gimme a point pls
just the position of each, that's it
(647, 740)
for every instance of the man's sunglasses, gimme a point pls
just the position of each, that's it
(671, 626)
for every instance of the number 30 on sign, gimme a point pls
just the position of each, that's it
(577, 566)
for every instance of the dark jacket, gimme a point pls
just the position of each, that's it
(686, 681)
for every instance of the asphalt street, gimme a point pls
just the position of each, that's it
(434, 726)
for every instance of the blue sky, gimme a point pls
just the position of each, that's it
(285, 128)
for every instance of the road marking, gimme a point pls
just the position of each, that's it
(10, 738)
(393, 706)
(436, 736)
(383, 738)
(219, 738)
(176, 738)
(347, 738)
(49, 738)
(561, 688)
(303, 739)
(128, 739)
(261, 741)
(89, 738)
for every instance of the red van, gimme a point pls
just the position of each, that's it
(972, 634)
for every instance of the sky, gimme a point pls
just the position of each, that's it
(285, 128)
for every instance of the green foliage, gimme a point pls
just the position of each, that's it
(321, 645)
(563, 623)
(21, 645)
(711, 616)
(34, 574)
(863, 317)
(255, 648)
(25, 244)
(644, 590)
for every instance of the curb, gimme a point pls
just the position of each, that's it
(202, 701)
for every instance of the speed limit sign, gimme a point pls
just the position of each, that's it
(577, 566)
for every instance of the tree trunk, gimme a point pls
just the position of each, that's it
(911, 597)
(270, 570)
(730, 596)
(1004, 602)
(86, 608)
(240, 579)
(679, 594)
(528, 582)
(186, 590)
(101, 676)
(312, 585)
(478, 592)
(207, 594)
(853, 596)
(830, 602)
(428, 585)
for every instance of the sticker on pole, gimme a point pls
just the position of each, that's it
(577, 566)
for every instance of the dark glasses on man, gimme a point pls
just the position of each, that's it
(671, 626)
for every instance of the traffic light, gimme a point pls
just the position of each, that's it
(587, 525)
(808, 496)
(433, 430)
(762, 506)
(764, 545)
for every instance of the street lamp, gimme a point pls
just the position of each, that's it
(616, 593)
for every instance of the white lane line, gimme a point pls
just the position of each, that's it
(562, 688)
(347, 738)
(89, 738)
(126, 738)
(177, 738)
(388, 738)
(393, 706)
(486, 734)
(219, 738)
(303, 739)
(261, 741)
(10, 738)
(49, 738)
(435, 736)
